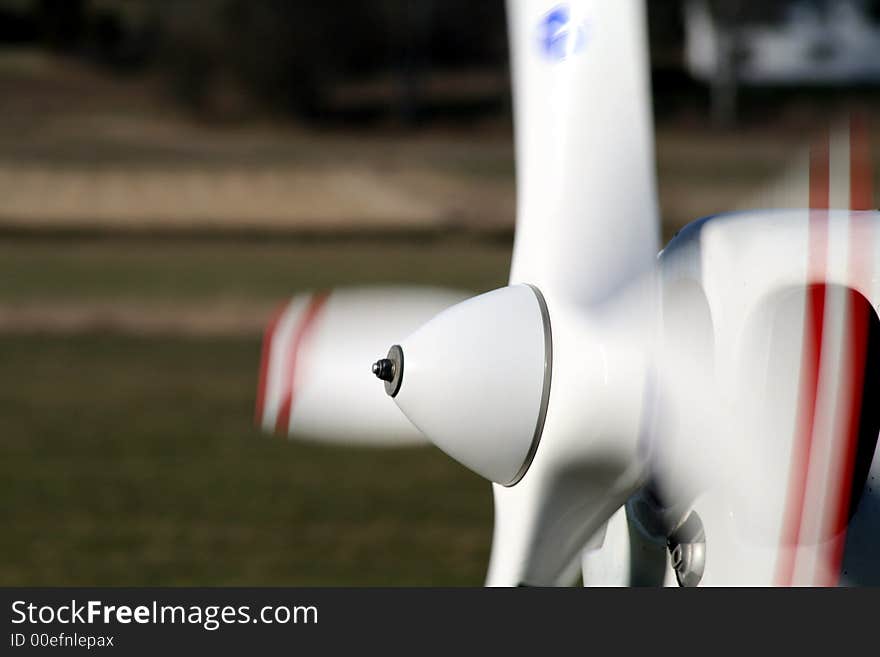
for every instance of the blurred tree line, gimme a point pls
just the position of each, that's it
(226, 57)
(287, 55)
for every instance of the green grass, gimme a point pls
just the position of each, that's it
(165, 270)
(131, 461)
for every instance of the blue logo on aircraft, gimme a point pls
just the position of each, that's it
(559, 36)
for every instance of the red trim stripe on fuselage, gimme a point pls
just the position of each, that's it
(826, 571)
(856, 347)
(811, 357)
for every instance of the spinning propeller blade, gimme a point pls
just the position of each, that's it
(587, 213)
(313, 380)
(588, 218)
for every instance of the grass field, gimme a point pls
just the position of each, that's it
(131, 460)
(211, 271)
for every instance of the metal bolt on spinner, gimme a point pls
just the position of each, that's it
(384, 369)
(390, 370)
